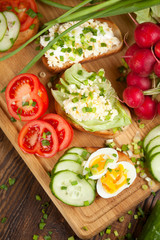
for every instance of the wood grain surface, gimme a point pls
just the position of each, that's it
(102, 212)
(23, 212)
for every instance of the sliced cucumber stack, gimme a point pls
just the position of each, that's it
(3, 25)
(11, 34)
(152, 134)
(68, 187)
(151, 146)
(67, 182)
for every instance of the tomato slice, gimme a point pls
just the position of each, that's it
(44, 96)
(26, 98)
(63, 129)
(38, 137)
(21, 8)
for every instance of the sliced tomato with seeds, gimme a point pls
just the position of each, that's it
(38, 137)
(63, 129)
(26, 98)
(24, 9)
(43, 94)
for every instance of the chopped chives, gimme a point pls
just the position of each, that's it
(45, 216)
(3, 220)
(74, 100)
(86, 203)
(45, 143)
(32, 26)
(13, 119)
(31, 13)
(11, 181)
(35, 237)
(42, 225)
(38, 198)
(4, 187)
(103, 45)
(74, 183)
(4, 89)
(63, 187)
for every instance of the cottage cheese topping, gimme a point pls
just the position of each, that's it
(92, 37)
(88, 102)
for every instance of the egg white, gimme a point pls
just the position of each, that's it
(107, 151)
(131, 173)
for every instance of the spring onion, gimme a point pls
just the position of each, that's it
(54, 4)
(105, 9)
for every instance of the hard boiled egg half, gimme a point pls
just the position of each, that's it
(116, 179)
(98, 162)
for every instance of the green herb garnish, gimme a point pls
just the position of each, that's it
(3, 220)
(11, 181)
(38, 198)
(31, 13)
(4, 187)
(42, 225)
(45, 143)
(13, 119)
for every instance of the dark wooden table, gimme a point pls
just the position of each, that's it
(23, 212)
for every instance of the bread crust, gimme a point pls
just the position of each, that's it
(117, 33)
(25, 35)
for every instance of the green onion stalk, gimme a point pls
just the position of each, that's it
(83, 14)
(57, 5)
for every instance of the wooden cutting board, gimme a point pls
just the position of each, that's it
(103, 211)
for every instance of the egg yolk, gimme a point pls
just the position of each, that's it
(114, 179)
(99, 163)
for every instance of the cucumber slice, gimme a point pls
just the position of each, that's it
(80, 151)
(152, 134)
(71, 156)
(71, 189)
(68, 165)
(154, 142)
(3, 25)
(153, 151)
(154, 166)
(13, 27)
(93, 183)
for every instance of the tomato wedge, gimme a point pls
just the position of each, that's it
(25, 10)
(38, 137)
(62, 127)
(26, 97)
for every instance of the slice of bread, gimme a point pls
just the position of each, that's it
(109, 133)
(117, 33)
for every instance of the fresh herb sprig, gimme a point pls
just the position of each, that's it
(105, 9)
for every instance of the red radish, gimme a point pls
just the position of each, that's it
(147, 34)
(157, 69)
(157, 49)
(130, 51)
(144, 83)
(142, 62)
(158, 108)
(148, 109)
(133, 96)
